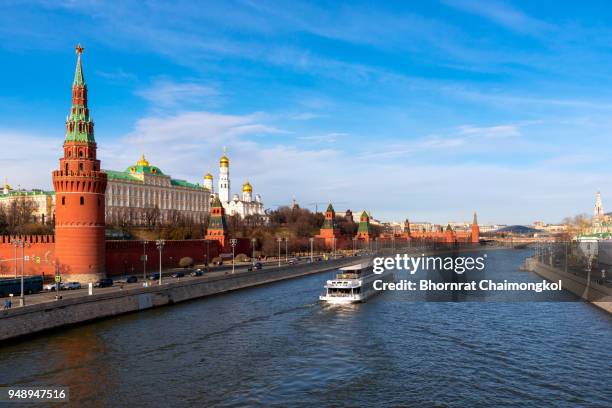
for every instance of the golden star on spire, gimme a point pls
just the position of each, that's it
(79, 49)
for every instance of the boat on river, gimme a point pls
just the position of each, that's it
(354, 284)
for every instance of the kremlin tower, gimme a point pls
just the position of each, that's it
(80, 191)
(475, 238)
(217, 226)
(364, 231)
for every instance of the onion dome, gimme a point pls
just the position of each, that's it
(142, 161)
(246, 188)
(224, 161)
(208, 176)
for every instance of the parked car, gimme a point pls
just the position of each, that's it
(52, 286)
(131, 279)
(178, 274)
(197, 272)
(104, 283)
(154, 276)
(71, 286)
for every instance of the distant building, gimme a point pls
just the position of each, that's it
(244, 205)
(143, 195)
(44, 202)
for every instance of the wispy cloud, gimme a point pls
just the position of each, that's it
(165, 93)
(502, 14)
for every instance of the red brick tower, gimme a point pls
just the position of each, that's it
(475, 238)
(217, 227)
(79, 193)
(364, 231)
(329, 231)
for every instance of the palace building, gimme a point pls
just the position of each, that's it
(143, 195)
(44, 202)
(243, 206)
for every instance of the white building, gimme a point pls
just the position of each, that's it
(244, 205)
(144, 195)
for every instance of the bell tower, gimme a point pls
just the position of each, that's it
(79, 193)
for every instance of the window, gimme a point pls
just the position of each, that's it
(80, 153)
(82, 200)
(81, 166)
(63, 200)
(66, 167)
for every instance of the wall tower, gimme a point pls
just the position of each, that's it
(79, 191)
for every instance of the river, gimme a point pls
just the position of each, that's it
(275, 345)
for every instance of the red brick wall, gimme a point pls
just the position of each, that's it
(39, 248)
(124, 257)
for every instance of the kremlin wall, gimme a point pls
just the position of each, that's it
(79, 252)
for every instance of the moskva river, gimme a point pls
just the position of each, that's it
(275, 345)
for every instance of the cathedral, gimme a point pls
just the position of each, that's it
(236, 205)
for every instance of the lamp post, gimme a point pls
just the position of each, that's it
(207, 253)
(233, 243)
(21, 243)
(311, 249)
(354, 245)
(15, 242)
(253, 241)
(144, 260)
(334, 248)
(160, 245)
(286, 254)
(279, 240)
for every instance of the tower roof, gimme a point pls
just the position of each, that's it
(216, 203)
(247, 188)
(330, 208)
(208, 176)
(142, 161)
(79, 79)
(475, 221)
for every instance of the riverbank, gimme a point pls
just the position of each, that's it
(594, 293)
(19, 322)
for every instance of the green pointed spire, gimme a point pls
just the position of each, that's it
(364, 223)
(330, 207)
(79, 126)
(78, 73)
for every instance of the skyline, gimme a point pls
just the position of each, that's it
(428, 113)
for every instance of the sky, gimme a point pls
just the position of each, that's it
(427, 110)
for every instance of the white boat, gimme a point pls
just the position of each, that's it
(353, 284)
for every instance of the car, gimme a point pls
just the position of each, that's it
(154, 276)
(71, 286)
(52, 287)
(131, 279)
(294, 261)
(178, 274)
(197, 272)
(104, 283)
(257, 266)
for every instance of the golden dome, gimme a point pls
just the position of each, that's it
(246, 188)
(208, 176)
(224, 161)
(142, 161)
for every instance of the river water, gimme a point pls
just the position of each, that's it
(275, 345)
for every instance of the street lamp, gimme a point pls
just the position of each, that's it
(144, 260)
(233, 243)
(21, 243)
(354, 245)
(253, 241)
(15, 242)
(160, 245)
(286, 255)
(279, 240)
(311, 249)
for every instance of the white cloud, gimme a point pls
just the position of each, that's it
(165, 93)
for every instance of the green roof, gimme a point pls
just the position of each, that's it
(183, 183)
(145, 169)
(119, 175)
(28, 193)
(129, 175)
(79, 79)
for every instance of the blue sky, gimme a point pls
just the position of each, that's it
(427, 110)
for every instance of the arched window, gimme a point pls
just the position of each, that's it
(82, 200)
(66, 168)
(63, 200)
(81, 166)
